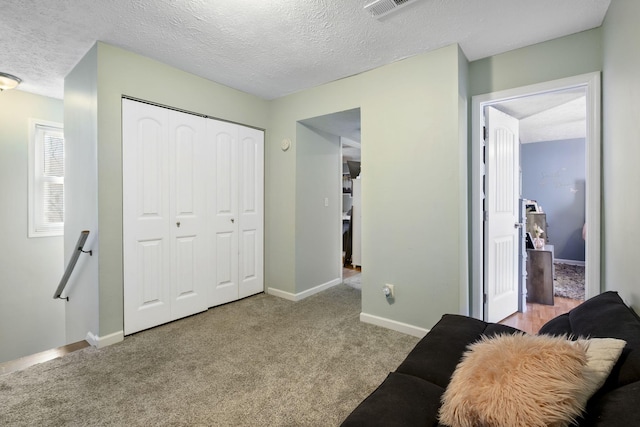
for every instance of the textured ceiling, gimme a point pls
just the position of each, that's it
(271, 48)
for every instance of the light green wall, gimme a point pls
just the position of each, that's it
(555, 59)
(281, 173)
(415, 162)
(30, 319)
(411, 184)
(119, 73)
(81, 195)
(621, 149)
(464, 116)
(564, 57)
(124, 73)
(318, 227)
(414, 176)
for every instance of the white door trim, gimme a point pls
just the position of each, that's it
(591, 82)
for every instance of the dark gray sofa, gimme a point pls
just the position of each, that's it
(410, 396)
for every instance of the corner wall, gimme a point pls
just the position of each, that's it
(81, 196)
(318, 225)
(124, 73)
(117, 73)
(569, 56)
(413, 186)
(621, 149)
(30, 319)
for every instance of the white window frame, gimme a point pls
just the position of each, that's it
(37, 226)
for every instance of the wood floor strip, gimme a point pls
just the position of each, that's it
(34, 359)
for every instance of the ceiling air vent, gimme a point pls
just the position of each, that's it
(380, 8)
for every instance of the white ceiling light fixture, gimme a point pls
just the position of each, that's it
(380, 8)
(7, 81)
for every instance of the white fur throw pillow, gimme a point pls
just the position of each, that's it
(517, 381)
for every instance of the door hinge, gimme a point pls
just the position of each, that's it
(484, 133)
(484, 298)
(485, 216)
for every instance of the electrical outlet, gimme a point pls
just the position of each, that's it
(389, 291)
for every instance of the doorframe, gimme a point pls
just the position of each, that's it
(593, 169)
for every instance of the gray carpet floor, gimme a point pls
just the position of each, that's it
(262, 361)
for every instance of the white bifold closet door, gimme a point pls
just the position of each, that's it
(164, 215)
(236, 170)
(193, 197)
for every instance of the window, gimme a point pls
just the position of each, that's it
(46, 179)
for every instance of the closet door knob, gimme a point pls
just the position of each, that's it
(233, 220)
(178, 224)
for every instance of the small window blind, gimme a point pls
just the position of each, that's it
(53, 177)
(47, 189)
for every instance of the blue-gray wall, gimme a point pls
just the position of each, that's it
(553, 174)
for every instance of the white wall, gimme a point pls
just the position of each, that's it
(30, 268)
(621, 149)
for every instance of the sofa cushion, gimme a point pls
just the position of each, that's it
(616, 408)
(515, 380)
(603, 316)
(401, 400)
(606, 316)
(559, 325)
(435, 357)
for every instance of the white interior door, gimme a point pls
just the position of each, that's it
(146, 216)
(222, 140)
(236, 154)
(188, 215)
(251, 211)
(501, 207)
(164, 246)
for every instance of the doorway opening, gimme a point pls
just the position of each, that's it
(528, 104)
(345, 126)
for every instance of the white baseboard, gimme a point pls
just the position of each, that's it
(100, 342)
(569, 262)
(302, 295)
(394, 325)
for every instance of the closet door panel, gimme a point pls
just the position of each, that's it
(249, 256)
(146, 216)
(186, 284)
(222, 139)
(251, 211)
(150, 256)
(188, 217)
